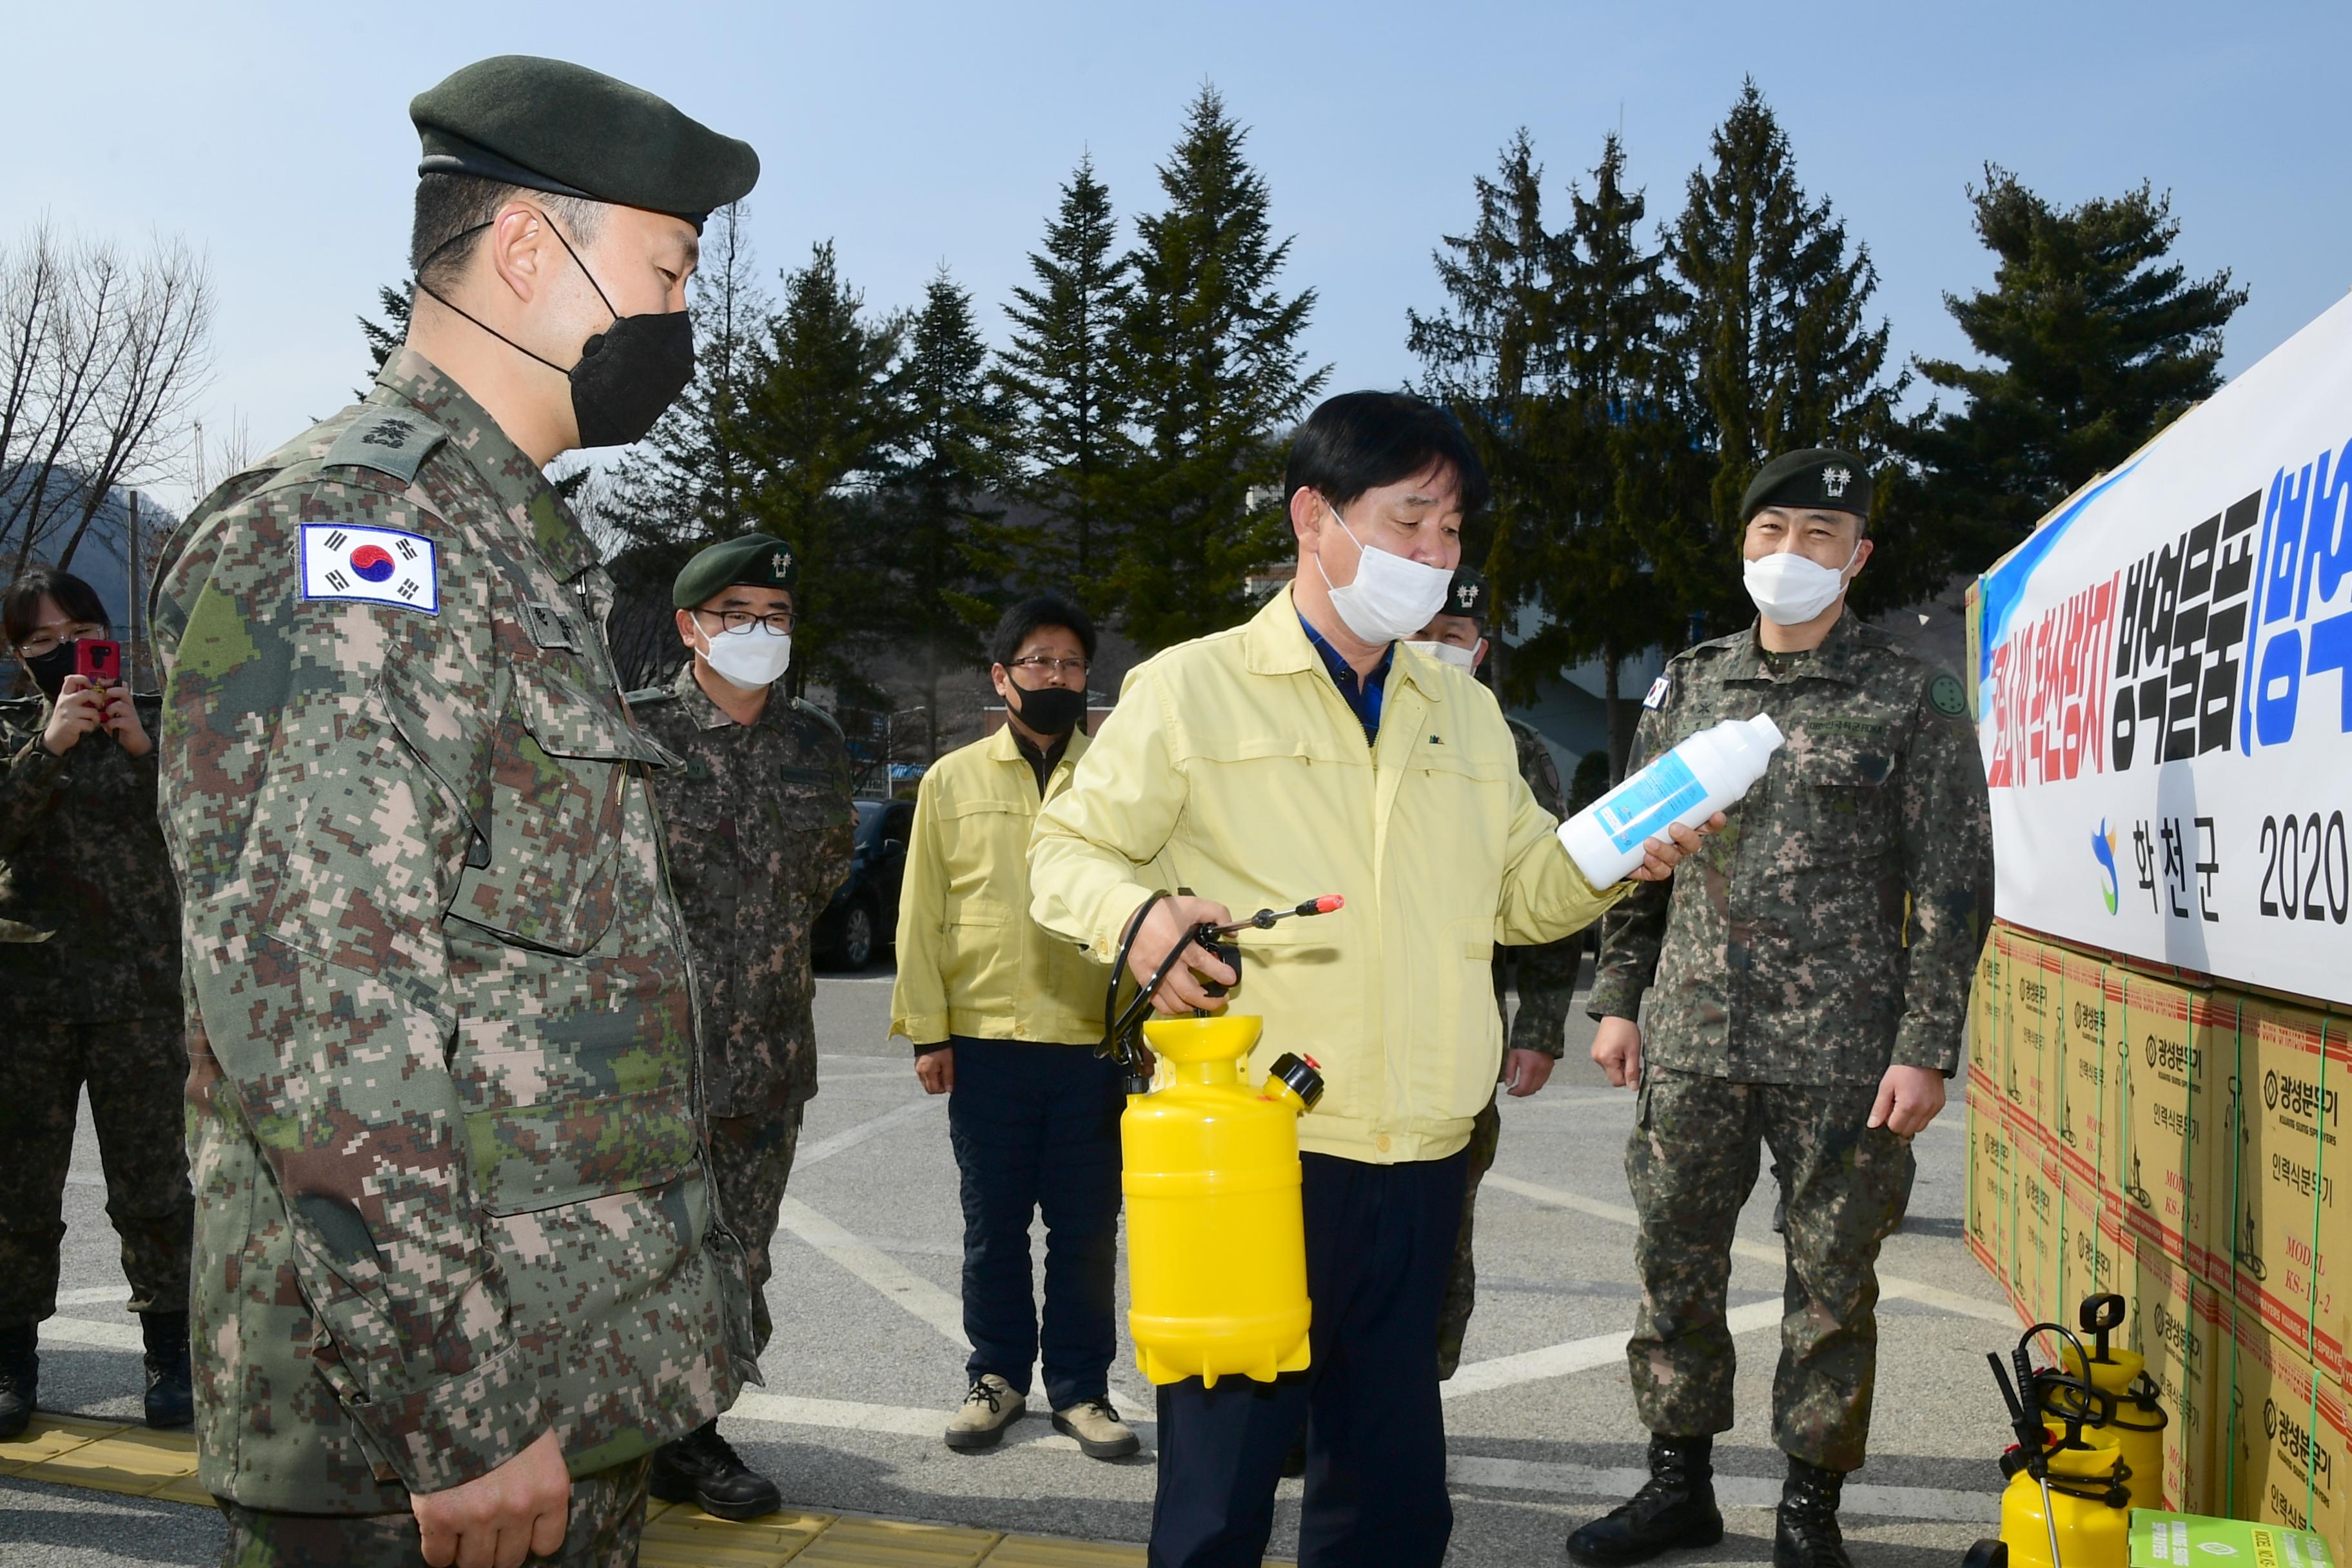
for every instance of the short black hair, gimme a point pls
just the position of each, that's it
(1359, 441)
(20, 606)
(1017, 624)
(451, 208)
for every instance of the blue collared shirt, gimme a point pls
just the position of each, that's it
(1363, 696)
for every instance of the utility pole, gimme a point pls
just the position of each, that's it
(130, 590)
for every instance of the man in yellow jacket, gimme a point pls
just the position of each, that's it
(1303, 753)
(1002, 1017)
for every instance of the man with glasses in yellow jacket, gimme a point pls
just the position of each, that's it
(1003, 1018)
(1303, 753)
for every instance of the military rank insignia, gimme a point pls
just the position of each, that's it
(372, 565)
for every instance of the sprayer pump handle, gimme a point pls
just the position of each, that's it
(2101, 1316)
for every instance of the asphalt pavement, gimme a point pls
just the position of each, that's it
(867, 1359)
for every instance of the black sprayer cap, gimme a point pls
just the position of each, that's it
(1301, 1076)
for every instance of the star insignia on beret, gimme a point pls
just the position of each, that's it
(782, 563)
(1834, 482)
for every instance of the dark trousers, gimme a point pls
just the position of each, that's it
(1379, 1246)
(1035, 1129)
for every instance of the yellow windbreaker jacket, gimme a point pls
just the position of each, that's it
(1234, 763)
(971, 960)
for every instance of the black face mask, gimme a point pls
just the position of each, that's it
(1052, 710)
(628, 375)
(50, 669)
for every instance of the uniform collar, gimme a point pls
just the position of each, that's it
(409, 377)
(709, 715)
(1833, 660)
(1274, 642)
(1004, 746)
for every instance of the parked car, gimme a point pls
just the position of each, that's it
(862, 920)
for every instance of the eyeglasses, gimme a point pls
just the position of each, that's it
(43, 643)
(1039, 664)
(739, 623)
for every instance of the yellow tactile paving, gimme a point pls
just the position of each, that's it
(50, 1436)
(891, 1543)
(109, 1456)
(131, 1460)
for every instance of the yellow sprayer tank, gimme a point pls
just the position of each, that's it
(2139, 1418)
(2089, 1499)
(1216, 1244)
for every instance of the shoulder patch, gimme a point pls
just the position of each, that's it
(394, 441)
(371, 566)
(1657, 697)
(1946, 695)
(802, 705)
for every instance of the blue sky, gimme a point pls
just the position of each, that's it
(276, 137)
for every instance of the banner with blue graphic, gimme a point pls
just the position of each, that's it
(2165, 689)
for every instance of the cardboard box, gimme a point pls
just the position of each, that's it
(2038, 1247)
(2278, 1213)
(1989, 1013)
(2096, 1255)
(2164, 1094)
(1991, 1190)
(2284, 1455)
(2175, 1323)
(2193, 1540)
(2032, 966)
(2090, 1009)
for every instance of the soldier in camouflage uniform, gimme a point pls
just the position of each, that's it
(1790, 1005)
(1544, 975)
(455, 1255)
(89, 964)
(759, 822)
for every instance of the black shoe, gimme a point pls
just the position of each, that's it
(170, 1400)
(20, 1378)
(1675, 1507)
(1807, 1534)
(703, 1469)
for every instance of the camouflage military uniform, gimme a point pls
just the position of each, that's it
(759, 834)
(1545, 976)
(601, 1529)
(1780, 985)
(89, 964)
(443, 1106)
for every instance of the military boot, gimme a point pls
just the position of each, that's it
(170, 1400)
(1807, 1536)
(703, 1468)
(20, 1377)
(1675, 1508)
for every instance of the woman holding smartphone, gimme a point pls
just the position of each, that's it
(89, 966)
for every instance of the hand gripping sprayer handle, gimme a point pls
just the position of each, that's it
(1122, 1028)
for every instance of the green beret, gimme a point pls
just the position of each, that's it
(1467, 597)
(756, 559)
(1819, 479)
(549, 125)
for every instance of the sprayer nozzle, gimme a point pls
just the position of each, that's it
(1327, 904)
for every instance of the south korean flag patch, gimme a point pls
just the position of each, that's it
(1657, 697)
(371, 566)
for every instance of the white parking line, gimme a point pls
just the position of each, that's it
(94, 1336)
(893, 1278)
(872, 1127)
(1579, 1355)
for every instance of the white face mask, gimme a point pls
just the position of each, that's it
(1791, 589)
(1391, 597)
(750, 659)
(1462, 659)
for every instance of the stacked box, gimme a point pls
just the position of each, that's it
(1990, 1186)
(2284, 1453)
(2162, 1171)
(2090, 1027)
(2175, 1323)
(1988, 1013)
(2281, 1220)
(2030, 968)
(2038, 1243)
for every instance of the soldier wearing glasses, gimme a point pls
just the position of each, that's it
(757, 824)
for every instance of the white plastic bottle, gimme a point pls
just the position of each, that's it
(1688, 784)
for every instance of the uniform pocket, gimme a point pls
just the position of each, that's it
(547, 840)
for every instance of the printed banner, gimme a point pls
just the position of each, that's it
(2165, 689)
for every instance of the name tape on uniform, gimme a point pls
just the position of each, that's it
(371, 566)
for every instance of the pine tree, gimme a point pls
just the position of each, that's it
(1211, 353)
(1492, 356)
(1065, 382)
(1780, 353)
(820, 412)
(949, 552)
(2095, 339)
(1625, 444)
(385, 337)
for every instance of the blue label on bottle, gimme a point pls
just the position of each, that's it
(1641, 806)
